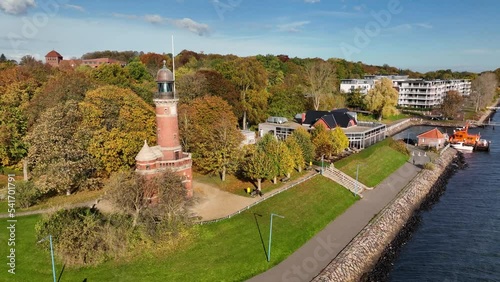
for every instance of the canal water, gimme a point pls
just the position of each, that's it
(458, 238)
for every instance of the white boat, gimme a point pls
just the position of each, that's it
(462, 147)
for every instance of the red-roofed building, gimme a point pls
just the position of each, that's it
(432, 138)
(53, 58)
(99, 61)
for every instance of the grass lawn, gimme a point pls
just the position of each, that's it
(230, 250)
(63, 200)
(238, 186)
(376, 163)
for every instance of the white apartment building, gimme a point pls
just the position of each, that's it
(413, 93)
(349, 85)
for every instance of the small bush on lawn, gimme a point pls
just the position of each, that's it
(429, 166)
(399, 146)
(27, 194)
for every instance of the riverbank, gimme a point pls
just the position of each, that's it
(361, 255)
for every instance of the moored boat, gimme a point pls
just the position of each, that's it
(461, 146)
(482, 145)
(462, 140)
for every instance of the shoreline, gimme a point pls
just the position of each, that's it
(381, 270)
(369, 247)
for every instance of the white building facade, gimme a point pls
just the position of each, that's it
(413, 93)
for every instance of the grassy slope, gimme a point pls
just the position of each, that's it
(376, 163)
(237, 186)
(230, 250)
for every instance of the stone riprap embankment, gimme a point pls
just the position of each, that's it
(362, 253)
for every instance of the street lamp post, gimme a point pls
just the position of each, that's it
(51, 255)
(322, 157)
(271, 234)
(407, 140)
(357, 173)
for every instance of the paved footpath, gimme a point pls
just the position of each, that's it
(308, 261)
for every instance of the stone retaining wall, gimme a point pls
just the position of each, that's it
(362, 253)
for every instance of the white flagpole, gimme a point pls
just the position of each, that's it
(173, 63)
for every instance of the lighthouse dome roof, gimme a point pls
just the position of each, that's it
(164, 74)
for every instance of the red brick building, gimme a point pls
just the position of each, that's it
(168, 153)
(55, 59)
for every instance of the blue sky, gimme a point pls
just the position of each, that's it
(421, 35)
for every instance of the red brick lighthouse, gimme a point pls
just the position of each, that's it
(168, 153)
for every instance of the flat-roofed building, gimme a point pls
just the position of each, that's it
(413, 93)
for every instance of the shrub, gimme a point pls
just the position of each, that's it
(80, 236)
(27, 194)
(399, 146)
(429, 166)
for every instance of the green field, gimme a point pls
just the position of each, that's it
(237, 186)
(230, 250)
(376, 163)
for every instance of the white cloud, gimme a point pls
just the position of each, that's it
(74, 7)
(125, 16)
(336, 14)
(195, 27)
(424, 25)
(154, 19)
(186, 23)
(16, 7)
(311, 1)
(407, 27)
(292, 27)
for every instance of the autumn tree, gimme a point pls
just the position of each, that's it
(452, 104)
(115, 123)
(256, 165)
(28, 60)
(111, 74)
(322, 140)
(339, 139)
(124, 56)
(274, 68)
(483, 90)
(382, 99)
(162, 197)
(250, 78)
(286, 162)
(191, 86)
(296, 153)
(59, 161)
(303, 139)
(17, 88)
(355, 99)
(62, 87)
(154, 61)
(270, 146)
(209, 131)
(320, 77)
(137, 71)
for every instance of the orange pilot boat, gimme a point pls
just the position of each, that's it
(461, 139)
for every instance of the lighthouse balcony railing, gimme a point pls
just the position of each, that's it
(165, 95)
(184, 161)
